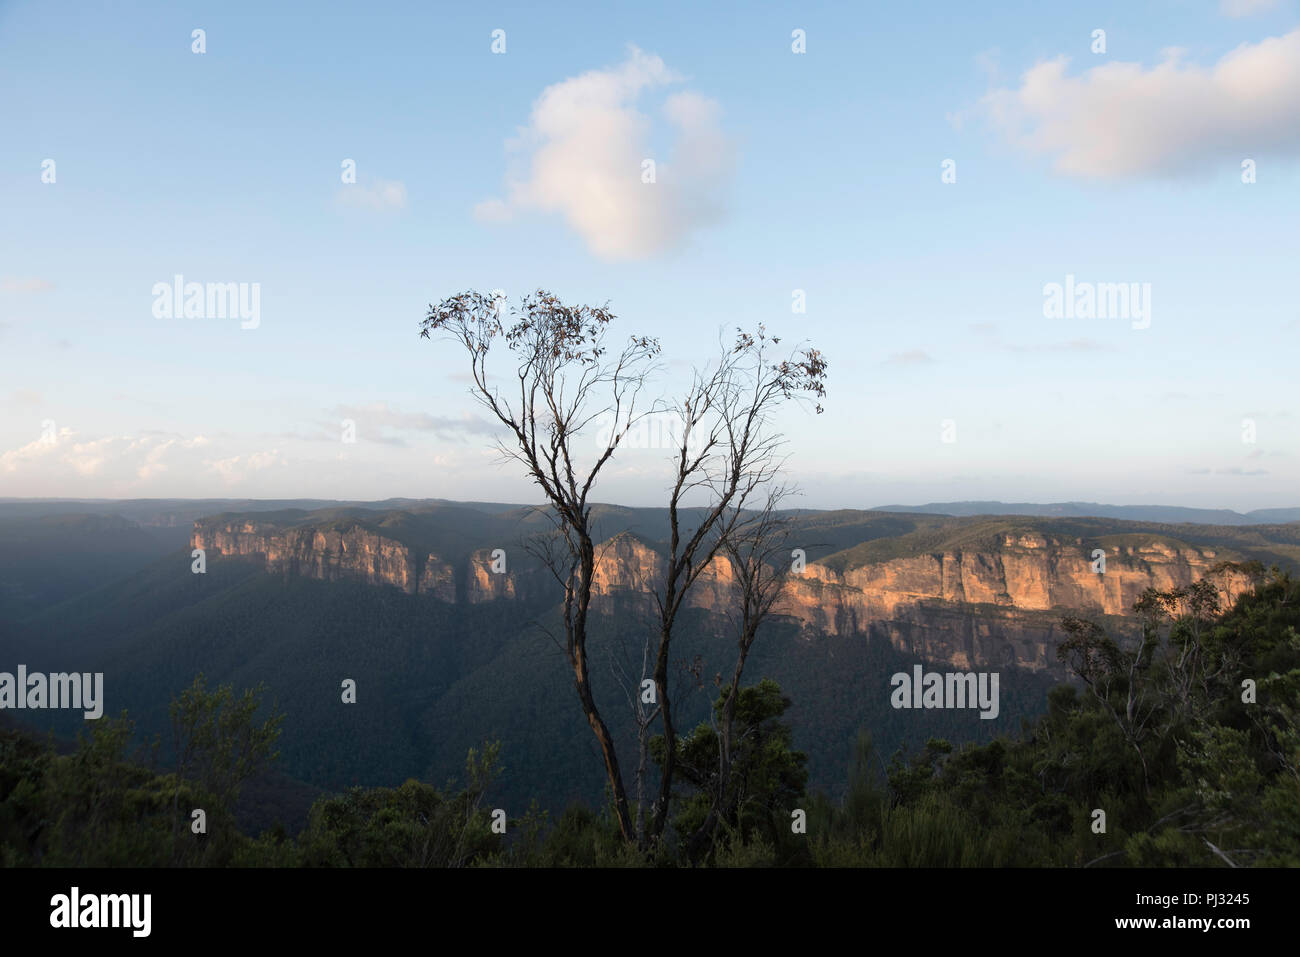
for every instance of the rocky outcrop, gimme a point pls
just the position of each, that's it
(972, 608)
(353, 554)
(1028, 573)
(490, 577)
(992, 605)
(437, 578)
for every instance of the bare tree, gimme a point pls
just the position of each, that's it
(564, 381)
(728, 456)
(644, 714)
(642, 703)
(757, 549)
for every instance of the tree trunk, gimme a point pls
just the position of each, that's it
(582, 681)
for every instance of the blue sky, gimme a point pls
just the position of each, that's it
(778, 172)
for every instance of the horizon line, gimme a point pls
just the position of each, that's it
(893, 506)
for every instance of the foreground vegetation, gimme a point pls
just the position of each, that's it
(1181, 751)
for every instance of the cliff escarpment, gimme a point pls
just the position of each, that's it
(358, 554)
(988, 602)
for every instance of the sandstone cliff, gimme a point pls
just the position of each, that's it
(1026, 573)
(996, 604)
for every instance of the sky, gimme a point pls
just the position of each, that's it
(914, 189)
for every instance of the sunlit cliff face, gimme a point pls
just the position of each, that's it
(967, 608)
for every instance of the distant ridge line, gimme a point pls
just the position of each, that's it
(186, 509)
(1173, 514)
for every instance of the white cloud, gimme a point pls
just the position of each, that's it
(15, 459)
(88, 458)
(582, 156)
(1246, 8)
(380, 194)
(153, 460)
(61, 453)
(110, 464)
(1120, 120)
(239, 467)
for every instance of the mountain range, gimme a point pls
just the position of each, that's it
(442, 617)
